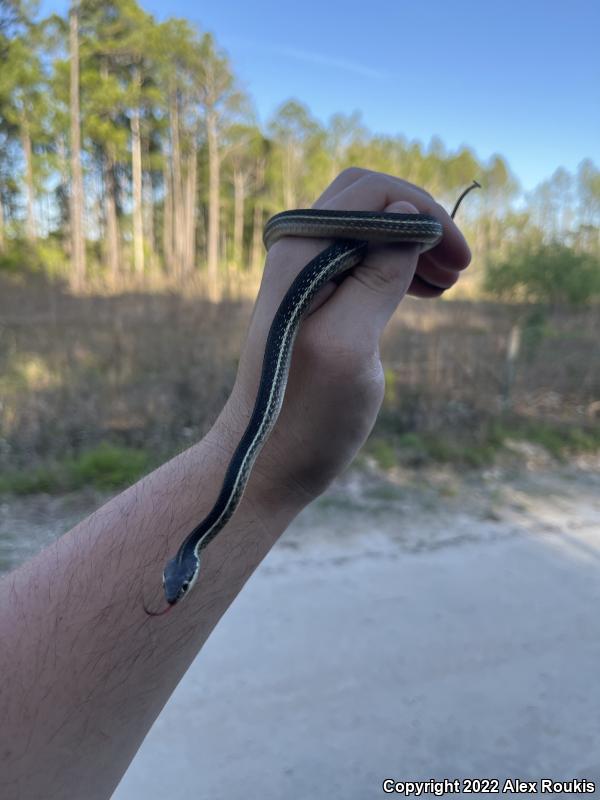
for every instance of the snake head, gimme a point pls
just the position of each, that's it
(179, 576)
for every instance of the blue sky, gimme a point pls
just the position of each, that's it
(519, 79)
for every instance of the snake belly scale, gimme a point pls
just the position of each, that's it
(351, 232)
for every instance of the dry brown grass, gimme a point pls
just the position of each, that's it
(153, 368)
(448, 363)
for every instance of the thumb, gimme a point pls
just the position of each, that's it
(366, 299)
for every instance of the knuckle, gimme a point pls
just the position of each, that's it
(360, 369)
(331, 357)
(352, 173)
(439, 210)
(372, 179)
(413, 187)
(427, 194)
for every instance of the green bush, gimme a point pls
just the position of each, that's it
(547, 273)
(45, 256)
(383, 453)
(41, 480)
(479, 447)
(105, 467)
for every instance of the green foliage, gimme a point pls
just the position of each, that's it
(558, 440)
(383, 453)
(40, 480)
(466, 451)
(549, 273)
(105, 467)
(202, 160)
(535, 329)
(45, 256)
(475, 449)
(108, 466)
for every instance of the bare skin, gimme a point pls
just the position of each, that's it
(84, 671)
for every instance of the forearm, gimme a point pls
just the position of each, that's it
(84, 671)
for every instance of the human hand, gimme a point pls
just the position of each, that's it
(336, 382)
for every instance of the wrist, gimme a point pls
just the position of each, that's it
(270, 495)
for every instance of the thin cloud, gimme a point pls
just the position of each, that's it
(328, 61)
(308, 57)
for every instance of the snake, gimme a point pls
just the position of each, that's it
(352, 232)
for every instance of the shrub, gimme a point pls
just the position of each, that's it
(547, 273)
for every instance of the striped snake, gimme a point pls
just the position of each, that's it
(352, 232)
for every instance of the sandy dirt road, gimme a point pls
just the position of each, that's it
(428, 628)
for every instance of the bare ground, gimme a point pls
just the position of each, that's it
(429, 624)
(407, 509)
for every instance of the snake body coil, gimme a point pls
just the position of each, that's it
(352, 232)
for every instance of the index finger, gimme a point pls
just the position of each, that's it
(376, 190)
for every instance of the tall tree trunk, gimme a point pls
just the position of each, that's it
(177, 186)
(2, 243)
(149, 207)
(256, 258)
(136, 174)
(223, 242)
(77, 236)
(289, 193)
(257, 241)
(190, 208)
(239, 192)
(27, 151)
(110, 211)
(168, 214)
(63, 192)
(113, 255)
(213, 205)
